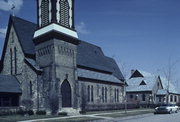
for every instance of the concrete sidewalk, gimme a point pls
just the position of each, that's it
(98, 116)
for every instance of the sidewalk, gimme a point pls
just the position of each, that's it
(98, 116)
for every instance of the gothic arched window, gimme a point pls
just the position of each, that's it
(15, 60)
(11, 63)
(44, 12)
(64, 12)
(30, 89)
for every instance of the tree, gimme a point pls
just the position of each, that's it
(169, 73)
(124, 72)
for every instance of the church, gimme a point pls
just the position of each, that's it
(45, 66)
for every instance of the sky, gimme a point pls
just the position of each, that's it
(138, 34)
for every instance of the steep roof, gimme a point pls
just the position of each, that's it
(172, 87)
(138, 76)
(25, 31)
(116, 70)
(88, 55)
(9, 84)
(134, 84)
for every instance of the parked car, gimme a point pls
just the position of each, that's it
(167, 108)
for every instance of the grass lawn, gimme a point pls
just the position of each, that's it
(80, 119)
(15, 118)
(113, 114)
(111, 111)
(116, 115)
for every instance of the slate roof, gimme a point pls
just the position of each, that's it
(88, 55)
(162, 92)
(97, 76)
(25, 31)
(9, 84)
(172, 88)
(134, 84)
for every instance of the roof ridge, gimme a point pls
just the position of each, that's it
(15, 17)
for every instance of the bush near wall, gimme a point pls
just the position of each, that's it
(19, 111)
(103, 107)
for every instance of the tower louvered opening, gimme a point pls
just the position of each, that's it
(44, 12)
(64, 13)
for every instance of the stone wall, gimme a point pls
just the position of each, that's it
(23, 72)
(102, 97)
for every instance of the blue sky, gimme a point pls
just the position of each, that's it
(140, 34)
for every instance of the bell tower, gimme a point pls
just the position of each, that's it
(56, 43)
(57, 15)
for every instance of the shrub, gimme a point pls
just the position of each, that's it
(41, 112)
(30, 112)
(22, 112)
(5, 113)
(62, 113)
(82, 112)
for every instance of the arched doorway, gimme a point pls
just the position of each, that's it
(66, 94)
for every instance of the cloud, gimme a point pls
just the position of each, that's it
(81, 28)
(6, 5)
(3, 32)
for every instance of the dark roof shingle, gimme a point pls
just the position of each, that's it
(25, 31)
(9, 84)
(88, 55)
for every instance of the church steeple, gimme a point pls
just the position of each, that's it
(57, 15)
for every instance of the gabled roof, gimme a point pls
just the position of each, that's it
(88, 55)
(172, 87)
(9, 84)
(139, 73)
(134, 84)
(142, 83)
(24, 30)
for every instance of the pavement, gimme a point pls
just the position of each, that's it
(98, 116)
(175, 117)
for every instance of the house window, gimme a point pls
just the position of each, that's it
(175, 98)
(64, 13)
(11, 61)
(171, 98)
(131, 96)
(88, 93)
(136, 97)
(143, 97)
(160, 99)
(117, 95)
(105, 94)
(92, 95)
(44, 12)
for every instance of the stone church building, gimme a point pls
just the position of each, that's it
(45, 66)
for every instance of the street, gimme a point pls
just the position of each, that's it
(175, 117)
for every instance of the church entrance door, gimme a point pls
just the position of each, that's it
(66, 94)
